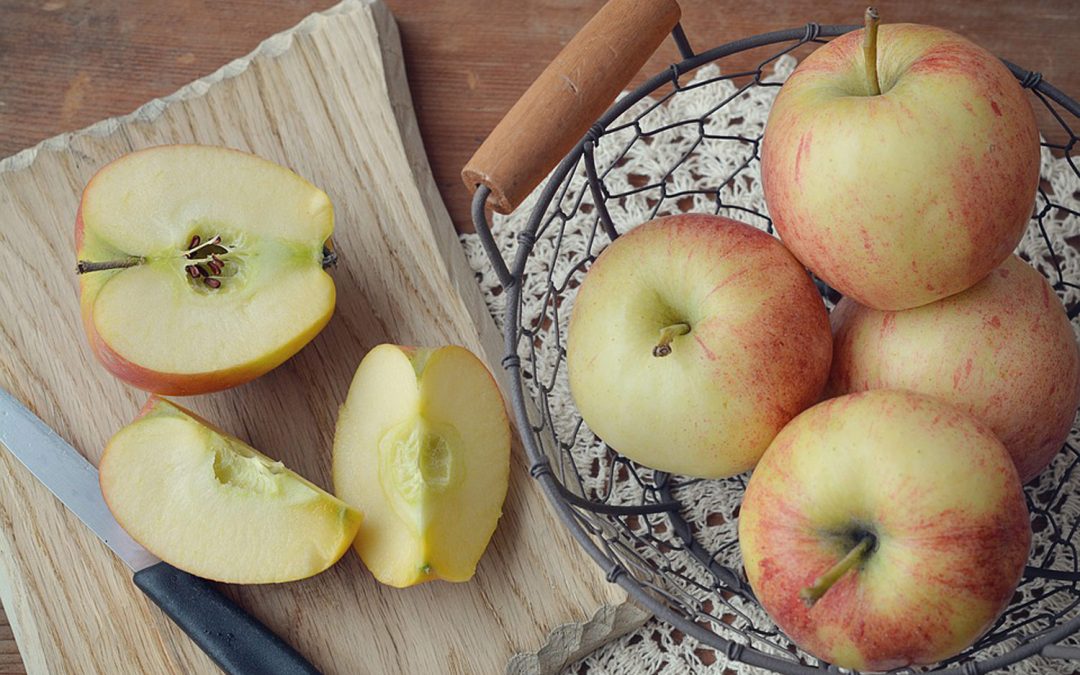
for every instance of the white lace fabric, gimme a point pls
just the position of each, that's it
(651, 165)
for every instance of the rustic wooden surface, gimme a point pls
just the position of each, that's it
(68, 63)
(331, 102)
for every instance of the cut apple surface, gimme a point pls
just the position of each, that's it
(422, 448)
(219, 266)
(211, 505)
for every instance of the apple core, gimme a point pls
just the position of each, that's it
(235, 468)
(417, 460)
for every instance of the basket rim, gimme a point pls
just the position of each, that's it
(540, 469)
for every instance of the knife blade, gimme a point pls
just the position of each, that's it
(236, 641)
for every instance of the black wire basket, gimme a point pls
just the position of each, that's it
(636, 522)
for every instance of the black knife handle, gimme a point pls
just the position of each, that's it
(235, 640)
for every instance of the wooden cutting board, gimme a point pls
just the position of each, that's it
(328, 99)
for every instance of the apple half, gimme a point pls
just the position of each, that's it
(422, 447)
(201, 267)
(210, 504)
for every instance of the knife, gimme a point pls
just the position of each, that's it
(236, 641)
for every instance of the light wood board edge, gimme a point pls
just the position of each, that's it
(567, 642)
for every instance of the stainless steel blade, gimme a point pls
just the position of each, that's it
(68, 475)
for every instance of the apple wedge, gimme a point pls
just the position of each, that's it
(422, 447)
(201, 267)
(210, 504)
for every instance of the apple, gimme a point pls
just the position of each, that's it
(422, 447)
(200, 267)
(1002, 350)
(693, 340)
(210, 504)
(906, 196)
(884, 529)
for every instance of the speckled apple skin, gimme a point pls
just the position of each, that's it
(901, 199)
(1003, 350)
(944, 500)
(757, 354)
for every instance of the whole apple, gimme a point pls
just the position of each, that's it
(1002, 350)
(908, 196)
(693, 340)
(884, 529)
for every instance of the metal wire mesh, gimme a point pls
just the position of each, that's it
(636, 521)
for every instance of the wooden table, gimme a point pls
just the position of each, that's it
(68, 63)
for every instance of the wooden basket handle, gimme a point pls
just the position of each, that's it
(567, 98)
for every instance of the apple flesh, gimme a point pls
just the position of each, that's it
(1003, 350)
(906, 197)
(209, 504)
(693, 340)
(936, 499)
(422, 447)
(221, 275)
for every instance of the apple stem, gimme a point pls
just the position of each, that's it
(869, 46)
(329, 258)
(85, 266)
(823, 583)
(667, 334)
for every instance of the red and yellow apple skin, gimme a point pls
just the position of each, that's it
(279, 223)
(1002, 350)
(900, 199)
(939, 494)
(757, 351)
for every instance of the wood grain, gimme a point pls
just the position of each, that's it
(330, 101)
(67, 63)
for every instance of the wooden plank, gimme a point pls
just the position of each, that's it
(10, 660)
(67, 64)
(330, 101)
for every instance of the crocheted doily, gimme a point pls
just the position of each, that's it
(693, 147)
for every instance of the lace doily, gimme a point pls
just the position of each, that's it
(697, 151)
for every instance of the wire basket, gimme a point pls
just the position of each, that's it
(636, 522)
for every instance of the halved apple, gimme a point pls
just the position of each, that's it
(201, 267)
(422, 447)
(210, 504)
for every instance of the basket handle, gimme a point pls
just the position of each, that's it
(571, 93)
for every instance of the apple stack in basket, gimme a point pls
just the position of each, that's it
(884, 524)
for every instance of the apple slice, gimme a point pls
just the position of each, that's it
(201, 267)
(210, 504)
(422, 447)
